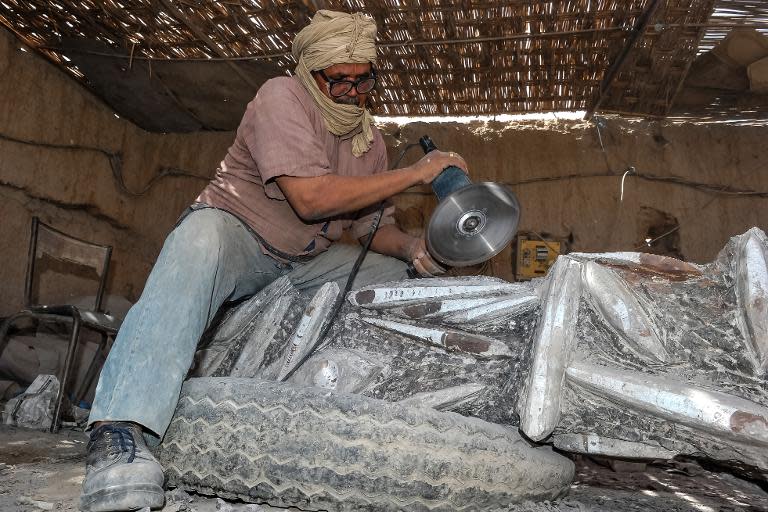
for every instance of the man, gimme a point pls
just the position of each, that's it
(306, 164)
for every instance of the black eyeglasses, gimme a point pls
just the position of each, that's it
(339, 88)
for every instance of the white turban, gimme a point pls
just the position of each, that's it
(337, 38)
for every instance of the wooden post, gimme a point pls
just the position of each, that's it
(613, 71)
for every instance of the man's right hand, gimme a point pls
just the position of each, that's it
(423, 262)
(434, 162)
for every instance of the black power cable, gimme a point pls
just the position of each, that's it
(115, 163)
(352, 274)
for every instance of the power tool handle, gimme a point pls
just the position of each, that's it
(426, 144)
(451, 179)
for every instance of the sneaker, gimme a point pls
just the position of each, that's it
(120, 473)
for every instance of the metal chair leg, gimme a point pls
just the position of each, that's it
(6, 325)
(93, 368)
(67, 368)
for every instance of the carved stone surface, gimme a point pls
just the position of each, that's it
(555, 337)
(623, 354)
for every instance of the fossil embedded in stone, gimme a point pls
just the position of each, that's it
(752, 293)
(540, 409)
(621, 309)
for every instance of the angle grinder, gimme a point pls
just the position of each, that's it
(473, 222)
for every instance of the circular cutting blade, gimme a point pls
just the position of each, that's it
(473, 224)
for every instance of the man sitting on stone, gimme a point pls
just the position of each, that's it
(307, 163)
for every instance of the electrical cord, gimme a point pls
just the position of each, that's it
(350, 279)
(672, 180)
(653, 241)
(115, 160)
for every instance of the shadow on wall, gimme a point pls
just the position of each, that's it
(658, 233)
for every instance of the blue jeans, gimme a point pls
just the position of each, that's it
(208, 259)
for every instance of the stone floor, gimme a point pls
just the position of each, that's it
(41, 471)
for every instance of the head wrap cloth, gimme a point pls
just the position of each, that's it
(337, 38)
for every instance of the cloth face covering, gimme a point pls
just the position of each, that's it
(337, 38)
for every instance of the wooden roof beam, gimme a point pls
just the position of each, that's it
(200, 34)
(701, 32)
(637, 32)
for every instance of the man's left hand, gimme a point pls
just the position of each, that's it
(422, 261)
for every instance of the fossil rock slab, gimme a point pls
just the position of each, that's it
(628, 355)
(693, 385)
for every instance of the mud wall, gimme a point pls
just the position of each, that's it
(567, 195)
(76, 190)
(568, 178)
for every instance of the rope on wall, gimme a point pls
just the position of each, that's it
(602, 124)
(673, 180)
(115, 162)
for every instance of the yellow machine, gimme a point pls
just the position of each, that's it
(534, 257)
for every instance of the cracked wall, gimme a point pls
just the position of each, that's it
(76, 191)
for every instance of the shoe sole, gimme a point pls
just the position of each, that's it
(120, 498)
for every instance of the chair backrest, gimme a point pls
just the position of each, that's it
(47, 241)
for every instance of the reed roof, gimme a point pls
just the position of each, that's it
(437, 57)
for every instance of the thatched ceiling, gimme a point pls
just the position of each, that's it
(192, 64)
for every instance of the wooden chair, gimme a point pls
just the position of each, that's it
(47, 241)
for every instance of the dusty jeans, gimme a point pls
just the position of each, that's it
(208, 259)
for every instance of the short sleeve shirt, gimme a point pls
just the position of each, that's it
(283, 133)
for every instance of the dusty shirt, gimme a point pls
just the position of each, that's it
(282, 133)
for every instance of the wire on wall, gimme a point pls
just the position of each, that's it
(116, 164)
(673, 180)
(115, 160)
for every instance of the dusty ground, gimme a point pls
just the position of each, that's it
(41, 471)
